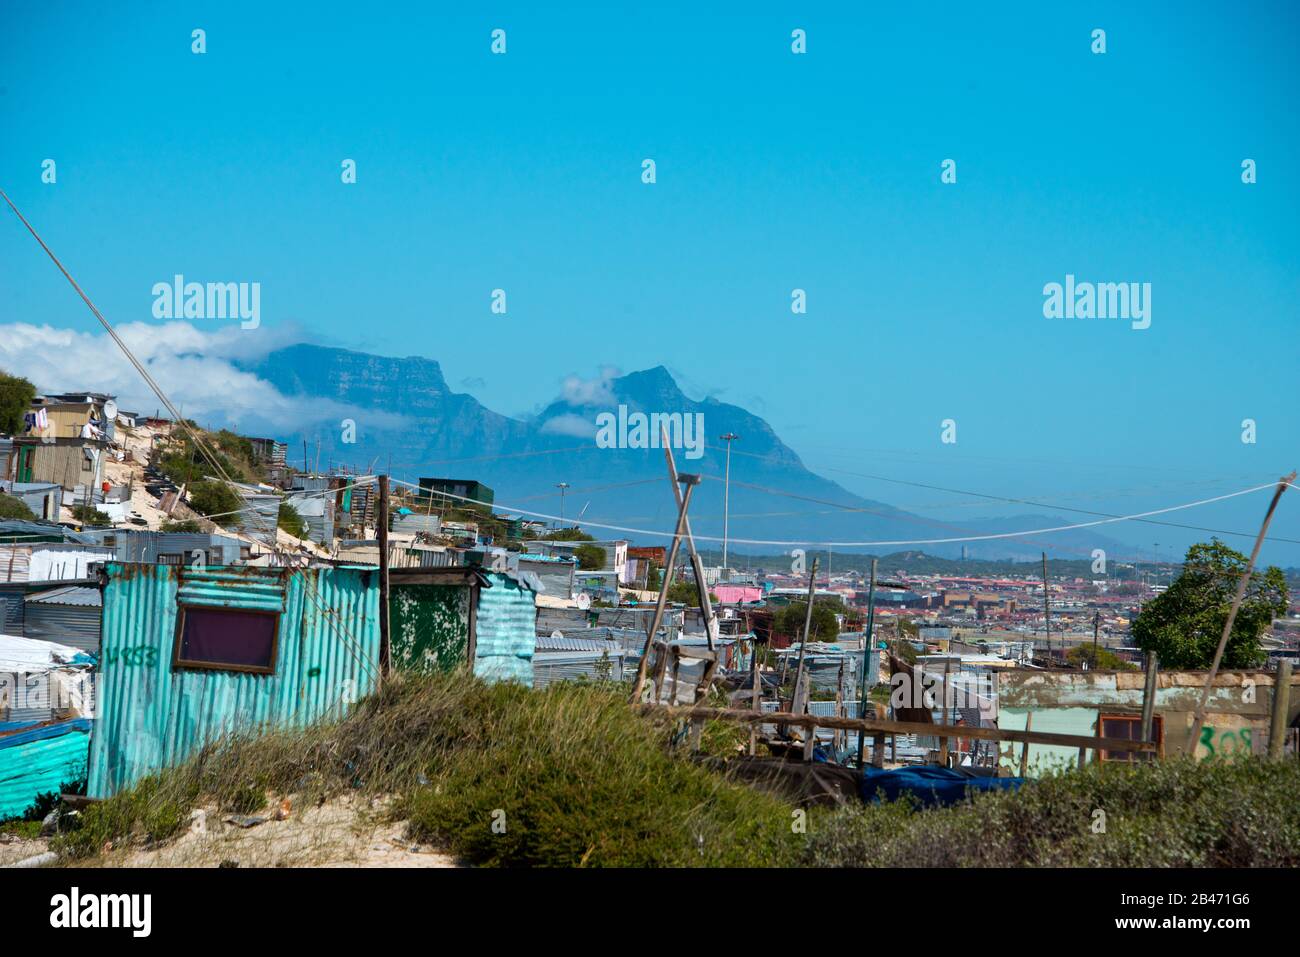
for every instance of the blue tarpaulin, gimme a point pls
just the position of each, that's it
(932, 786)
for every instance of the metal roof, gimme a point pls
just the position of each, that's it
(71, 595)
(549, 643)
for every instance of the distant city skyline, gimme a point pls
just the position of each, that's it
(775, 173)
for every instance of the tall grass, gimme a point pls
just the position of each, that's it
(499, 774)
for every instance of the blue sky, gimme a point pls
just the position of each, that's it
(775, 171)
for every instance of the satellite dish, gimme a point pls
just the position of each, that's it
(557, 635)
(584, 601)
(110, 410)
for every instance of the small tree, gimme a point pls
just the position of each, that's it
(16, 396)
(208, 497)
(1183, 625)
(685, 593)
(591, 558)
(653, 578)
(291, 521)
(1102, 658)
(825, 626)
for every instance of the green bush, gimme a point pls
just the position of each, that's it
(1172, 813)
(291, 521)
(89, 515)
(11, 507)
(215, 498)
(188, 525)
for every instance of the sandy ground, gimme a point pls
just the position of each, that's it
(13, 850)
(345, 832)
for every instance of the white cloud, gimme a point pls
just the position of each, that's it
(196, 369)
(578, 391)
(570, 424)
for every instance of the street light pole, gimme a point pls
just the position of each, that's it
(562, 486)
(728, 437)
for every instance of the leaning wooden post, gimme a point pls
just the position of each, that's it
(662, 601)
(839, 705)
(1281, 708)
(807, 625)
(1149, 696)
(1024, 751)
(1283, 484)
(758, 701)
(382, 530)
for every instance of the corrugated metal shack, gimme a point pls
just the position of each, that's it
(191, 654)
(68, 615)
(561, 658)
(43, 499)
(317, 513)
(440, 618)
(176, 548)
(554, 574)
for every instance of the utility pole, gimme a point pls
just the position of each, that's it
(562, 486)
(728, 437)
(868, 648)
(382, 530)
(1047, 610)
(1096, 623)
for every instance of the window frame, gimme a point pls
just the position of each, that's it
(187, 664)
(1131, 757)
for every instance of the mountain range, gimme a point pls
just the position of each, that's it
(424, 428)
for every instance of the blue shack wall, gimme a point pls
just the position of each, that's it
(150, 716)
(505, 630)
(36, 761)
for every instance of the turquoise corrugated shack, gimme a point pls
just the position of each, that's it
(39, 759)
(191, 654)
(443, 618)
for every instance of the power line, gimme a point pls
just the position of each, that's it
(865, 544)
(349, 639)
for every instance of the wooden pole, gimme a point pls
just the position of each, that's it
(662, 600)
(807, 628)
(382, 531)
(839, 702)
(1199, 716)
(1047, 611)
(1281, 708)
(1024, 751)
(1149, 696)
(868, 641)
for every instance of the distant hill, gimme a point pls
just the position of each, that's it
(452, 434)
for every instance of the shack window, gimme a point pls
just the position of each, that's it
(226, 639)
(1129, 727)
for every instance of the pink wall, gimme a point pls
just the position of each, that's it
(731, 594)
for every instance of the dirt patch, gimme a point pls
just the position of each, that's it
(345, 832)
(14, 849)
